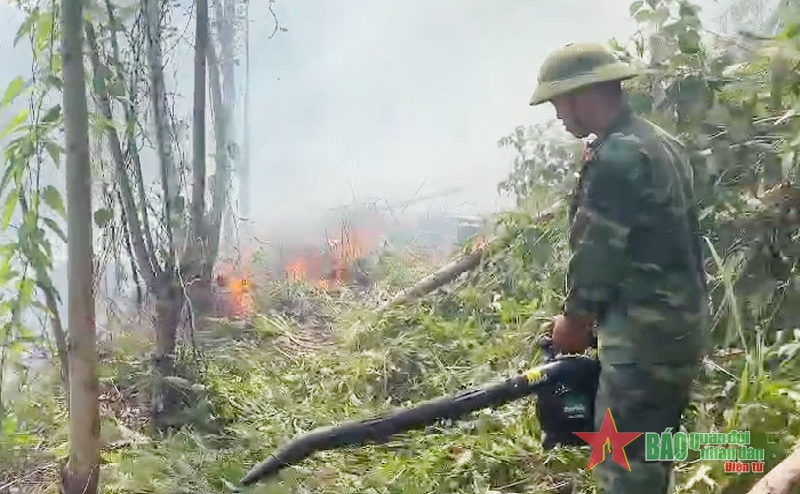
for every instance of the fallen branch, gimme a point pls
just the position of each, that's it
(442, 276)
(778, 198)
(462, 264)
(24, 478)
(783, 479)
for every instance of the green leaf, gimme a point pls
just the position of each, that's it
(52, 114)
(54, 81)
(13, 90)
(116, 88)
(44, 31)
(689, 42)
(52, 197)
(102, 217)
(9, 207)
(26, 26)
(9, 425)
(8, 174)
(25, 294)
(54, 150)
(660, 15)
(635, 6)
(55, 228)
(643, 16)
(6, 273)
(687, 9)
(15, 122)
(8, 249)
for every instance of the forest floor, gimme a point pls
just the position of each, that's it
(309, 357)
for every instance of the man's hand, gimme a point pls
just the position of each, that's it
(571, 335)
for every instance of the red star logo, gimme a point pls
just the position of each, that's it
(608, 437)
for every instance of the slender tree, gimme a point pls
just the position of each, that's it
(80, 474)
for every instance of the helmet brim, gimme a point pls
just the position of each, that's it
(546, 91)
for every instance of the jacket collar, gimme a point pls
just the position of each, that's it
(618, 123)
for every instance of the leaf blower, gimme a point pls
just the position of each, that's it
(565, 387)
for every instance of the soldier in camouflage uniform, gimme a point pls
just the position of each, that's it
(635, 275)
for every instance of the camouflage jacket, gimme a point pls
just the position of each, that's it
(636, 259)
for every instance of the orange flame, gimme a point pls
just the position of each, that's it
(237, 290)
(351, 247)
(323, 268)
(296, 270)
(241, 296)
(332, 268)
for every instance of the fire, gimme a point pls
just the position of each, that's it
(324, 266)
(343, 253)
(237, 290)
(296, 270)
(241, 296)
(331, 268)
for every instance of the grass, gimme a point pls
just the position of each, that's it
(283, 376)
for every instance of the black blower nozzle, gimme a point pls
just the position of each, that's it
(576, 373)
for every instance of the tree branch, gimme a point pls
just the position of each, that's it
(222, 172)
(145, 260)
(130, 123)
(158, 98)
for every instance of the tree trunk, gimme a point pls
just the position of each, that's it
(169, 303)
(222, 94)
(244, 165)
(196, 253)
(80, 475)
(199, 124)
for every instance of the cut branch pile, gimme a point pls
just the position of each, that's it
(465, 262)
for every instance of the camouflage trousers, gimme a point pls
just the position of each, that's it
(642, 398)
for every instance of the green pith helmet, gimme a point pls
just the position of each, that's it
(575, 66)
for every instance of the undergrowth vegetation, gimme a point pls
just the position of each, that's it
(310, 357)
(250, 389)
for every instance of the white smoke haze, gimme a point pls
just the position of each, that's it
(387, 99)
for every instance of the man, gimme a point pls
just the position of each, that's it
(635, 274)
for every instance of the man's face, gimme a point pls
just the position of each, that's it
(570, 110)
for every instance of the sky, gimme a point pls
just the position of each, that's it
(389, 98)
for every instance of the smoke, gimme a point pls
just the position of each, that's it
(380, 99)
(360, 101)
